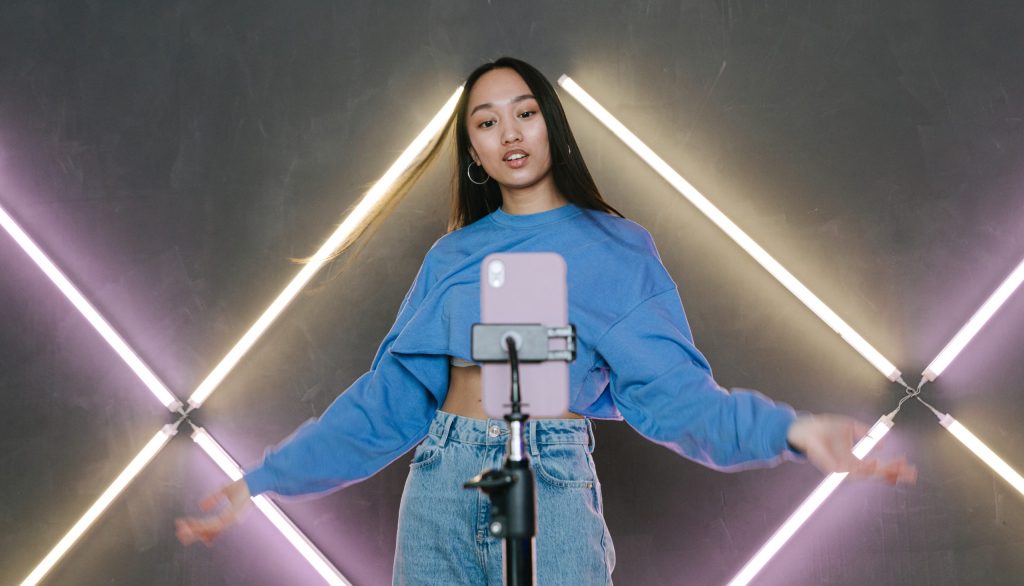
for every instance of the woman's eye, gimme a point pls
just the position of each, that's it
(528, 114)
(486, 124)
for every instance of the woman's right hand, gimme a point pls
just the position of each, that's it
(827, 441)
(233, 500)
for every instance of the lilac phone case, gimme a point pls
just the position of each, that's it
(529, 288)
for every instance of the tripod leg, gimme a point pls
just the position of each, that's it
(519, 562)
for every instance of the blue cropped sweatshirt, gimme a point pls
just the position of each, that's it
(635, 361)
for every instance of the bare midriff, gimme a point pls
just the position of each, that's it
(464, 396)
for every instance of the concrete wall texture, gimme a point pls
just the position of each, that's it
(174, 156)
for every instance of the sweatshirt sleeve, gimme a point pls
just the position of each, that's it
(663, 387)
(383, 414)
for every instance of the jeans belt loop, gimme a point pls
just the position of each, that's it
(449, 419)
(593, 438)
(533, 438)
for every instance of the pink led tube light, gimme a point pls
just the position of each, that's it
(144, 457)
(810, 504)
(973, 325)
(983, 452)
(281, 522)
(688, 191)
(152, 382)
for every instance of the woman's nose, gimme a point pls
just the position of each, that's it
(511, 134)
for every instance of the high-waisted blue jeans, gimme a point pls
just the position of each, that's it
(442, 527)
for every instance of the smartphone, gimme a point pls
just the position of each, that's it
(526, 288)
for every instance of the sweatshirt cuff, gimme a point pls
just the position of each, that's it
(785, 448)
(260, 480)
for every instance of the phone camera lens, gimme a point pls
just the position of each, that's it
(496, 273)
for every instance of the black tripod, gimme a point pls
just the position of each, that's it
(511, 487)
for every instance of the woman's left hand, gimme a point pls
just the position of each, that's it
(827, 441)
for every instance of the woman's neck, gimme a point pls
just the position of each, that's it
(539, 199)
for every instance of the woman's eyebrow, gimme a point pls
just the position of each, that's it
(512, 101)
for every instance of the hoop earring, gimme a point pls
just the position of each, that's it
(469, 168)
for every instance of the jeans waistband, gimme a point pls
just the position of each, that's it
(448, 427)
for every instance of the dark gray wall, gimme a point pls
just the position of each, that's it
(172, 156)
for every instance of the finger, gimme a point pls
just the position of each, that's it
(208, 537)
(899, 471)
(191, 530)
(211, 500)
(863, 468)
(891, 472)
(208, 531)
(199, 526)
(891, 475)
(184, 532)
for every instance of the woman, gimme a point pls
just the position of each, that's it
(523, 186)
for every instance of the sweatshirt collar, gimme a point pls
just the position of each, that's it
(500, 216)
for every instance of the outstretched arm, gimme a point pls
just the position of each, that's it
(664, 388)
(381, 415)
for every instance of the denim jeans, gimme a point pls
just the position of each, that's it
(443, 535)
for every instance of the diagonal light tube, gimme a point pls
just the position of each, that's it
(144, 457)
(973, 325)
(152, 382)
(148, 452)
(356, 219)
(790, 282)
(946, 356)
(353, 222)
(300, 542)
(810, 504)
(982, 451)
(371, 201)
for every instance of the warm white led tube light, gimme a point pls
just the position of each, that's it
(688, 191)
(299, 541)
(151, 449)
(983, 452)
(973, 325)
(810, 504)
(373, 199)
(152, 382)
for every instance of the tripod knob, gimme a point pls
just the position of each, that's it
(490, 481)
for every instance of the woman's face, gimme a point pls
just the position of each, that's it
(507, 134)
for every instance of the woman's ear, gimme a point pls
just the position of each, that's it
(472, 155)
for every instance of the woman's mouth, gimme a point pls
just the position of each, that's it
(515, 159)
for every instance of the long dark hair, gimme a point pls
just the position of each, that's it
(470, 201)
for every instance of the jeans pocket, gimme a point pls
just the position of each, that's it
(565, 466)
(427, 453)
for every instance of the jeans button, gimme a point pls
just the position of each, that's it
(494, 431)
